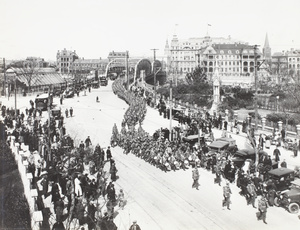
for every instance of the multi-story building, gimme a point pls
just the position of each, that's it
(37, 62)
(286, 62)
(65, 59)
(293, 61)
(87, 65)
(115, 55)
(231, 57)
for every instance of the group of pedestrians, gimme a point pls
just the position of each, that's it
(58, 174)
(69, 111)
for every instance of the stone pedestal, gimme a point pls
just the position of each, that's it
(298, 130)
(29, 177)
(226, 115)
(235, 114)
(37, 218)
(263, 123)
(280, 125)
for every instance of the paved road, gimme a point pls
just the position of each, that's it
(159, 200)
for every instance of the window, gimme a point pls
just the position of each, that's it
(221, 52)
(237, 52)
(229, 63)
(229, 51)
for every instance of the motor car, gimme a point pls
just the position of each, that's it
(290, 199)
(282, 178)
(103, 81)
(241, 155)
(56, 113)
(218, 146)
(43, 101)
(288, 144)
(192, 139)
(68, 93)
(231, 141)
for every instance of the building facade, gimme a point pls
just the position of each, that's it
(232, 58)
(286, 62)
(87, 65)
(116, 55)
(293, 61)
(64, 60)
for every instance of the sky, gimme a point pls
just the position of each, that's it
(93, 28)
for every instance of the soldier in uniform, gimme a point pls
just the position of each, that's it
(196, 178)
(262, 208)
(227, 194)
(252, 193)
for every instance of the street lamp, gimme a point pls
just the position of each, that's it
(277, 102)
(154, 56)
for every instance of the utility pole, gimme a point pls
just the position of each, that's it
(4, 76)
(16, 97)
(154, 52)
(255, 107)
(127, 75)
(49, 157)
(171, 107)
(255, 85)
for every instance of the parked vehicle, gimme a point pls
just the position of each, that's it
(288, 144)
(282, 177)
(43, 101)
(103, 81)
(231, 141)
(290, 199)
(218, 146)
(68, 93)
(56, 113)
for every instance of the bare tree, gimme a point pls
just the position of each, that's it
(31, 70)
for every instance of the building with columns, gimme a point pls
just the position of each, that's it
(65, 59)
(235, 59)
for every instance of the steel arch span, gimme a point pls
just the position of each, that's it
(143, 64)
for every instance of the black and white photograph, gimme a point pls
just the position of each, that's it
(149, 115)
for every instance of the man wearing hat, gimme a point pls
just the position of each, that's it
(88, 142)
(226, 194)
(262, 208)
(134, 226)
(108, 154)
